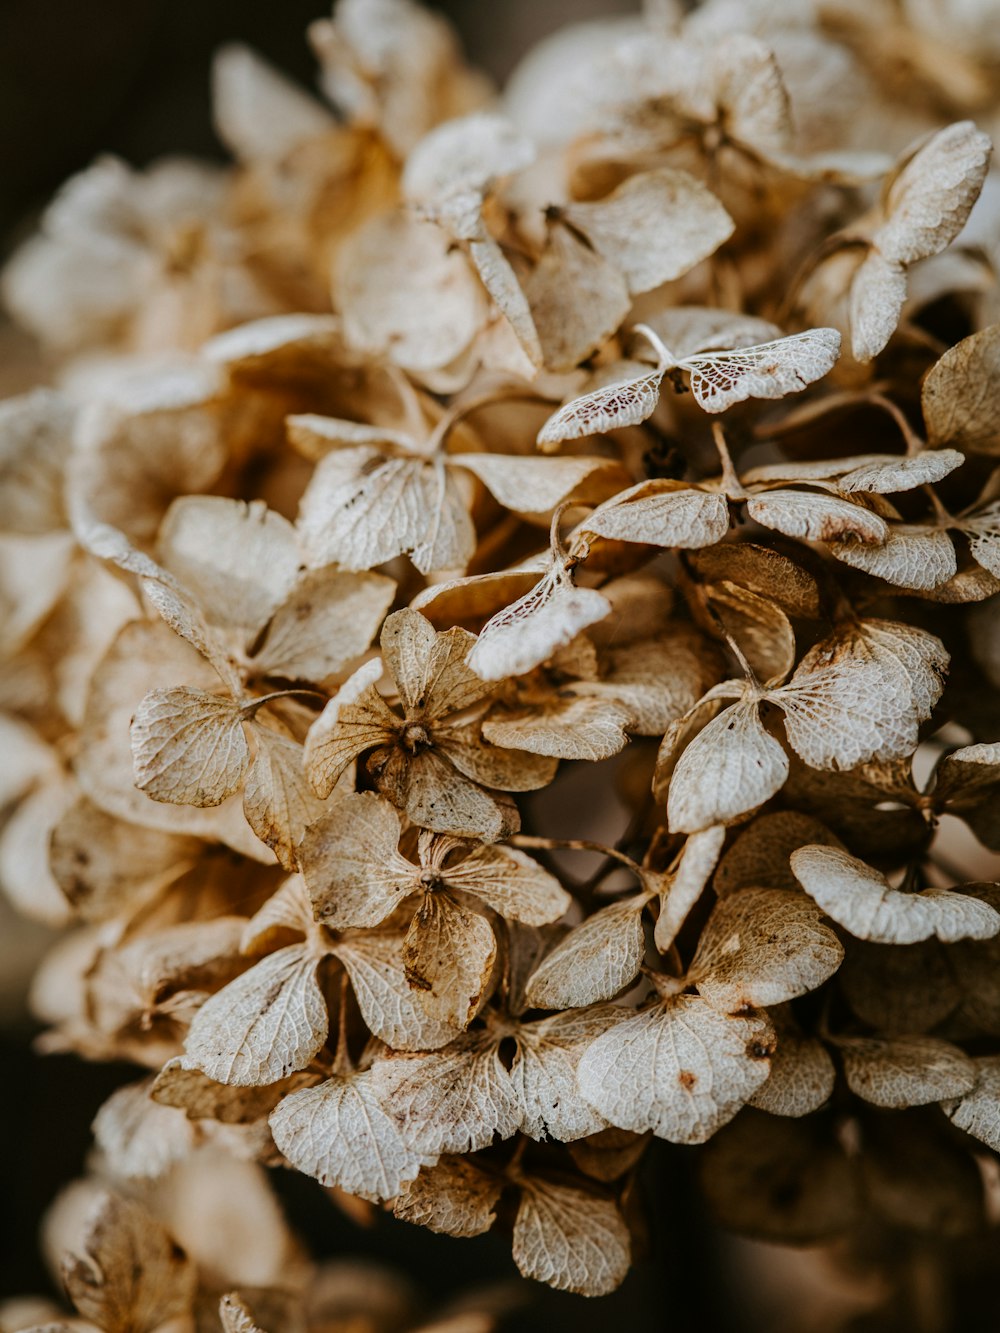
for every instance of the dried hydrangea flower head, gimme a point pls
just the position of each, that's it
(649, 410)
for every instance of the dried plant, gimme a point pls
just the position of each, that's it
(444, 444)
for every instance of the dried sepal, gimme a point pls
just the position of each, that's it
(679, 1068)
(862, 901)
(131, 1276)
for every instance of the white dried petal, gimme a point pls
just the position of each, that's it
(594, 962)
(189, 747)
(897, 1072)
(679, 1068)
(340, 1133)
(569, 1239)
(654, 227)
(262, 1026)
(863, 902)
(732, 766)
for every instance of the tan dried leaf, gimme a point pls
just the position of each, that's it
(278, 801)
(959, 394)
(801, 1079)
(812, 516)
(662, 513)
(625, 403)
(454, 1197)
(654, 227)
(577, 298)
(448, 956)
(544, 1072)
(769, 370)
(732, 766)
(681, 890)
(341, 1133)
(978, 1111)
(390, 1007)
(529, 631)
(759, 856)
(450, 1101)
(234, 1315)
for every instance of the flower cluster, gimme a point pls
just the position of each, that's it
(450, 443)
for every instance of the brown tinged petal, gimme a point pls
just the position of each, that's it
(131, 1277)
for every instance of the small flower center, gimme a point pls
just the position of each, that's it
(415, 738)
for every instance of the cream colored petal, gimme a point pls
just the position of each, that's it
(341, 1133)
(530, 485)
(429, 668)
(129, 1273)
(451, 1101)
(732, 766)
(762, 947)
(35, 437)
(875, 303)
(107, 867)
(863, 902)
(811, 516)
(268, 1022)
(978, 1111)
(453, 1197)
(680, 1069)
(544, 1072)
(959, 395)
(438, 796)
(769, 370)
(351, 865)
(626, 403)
(577, 298)
(686, 885)
(512, 883)
(525, 634)
(574, 728)
(362, 507)
(930, 197)
(141, 1139)
(655, 226)
(239, 561)
(278, 801)
(189, 747)
(404, 292)
(390, 1007)
(594, 961)
(356, 719)
(662, 514)
(329, 618)
(801, 1079)
(448, 956)
(258, 113)
(913, 556)
(569, 1239)
(897, 1072)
